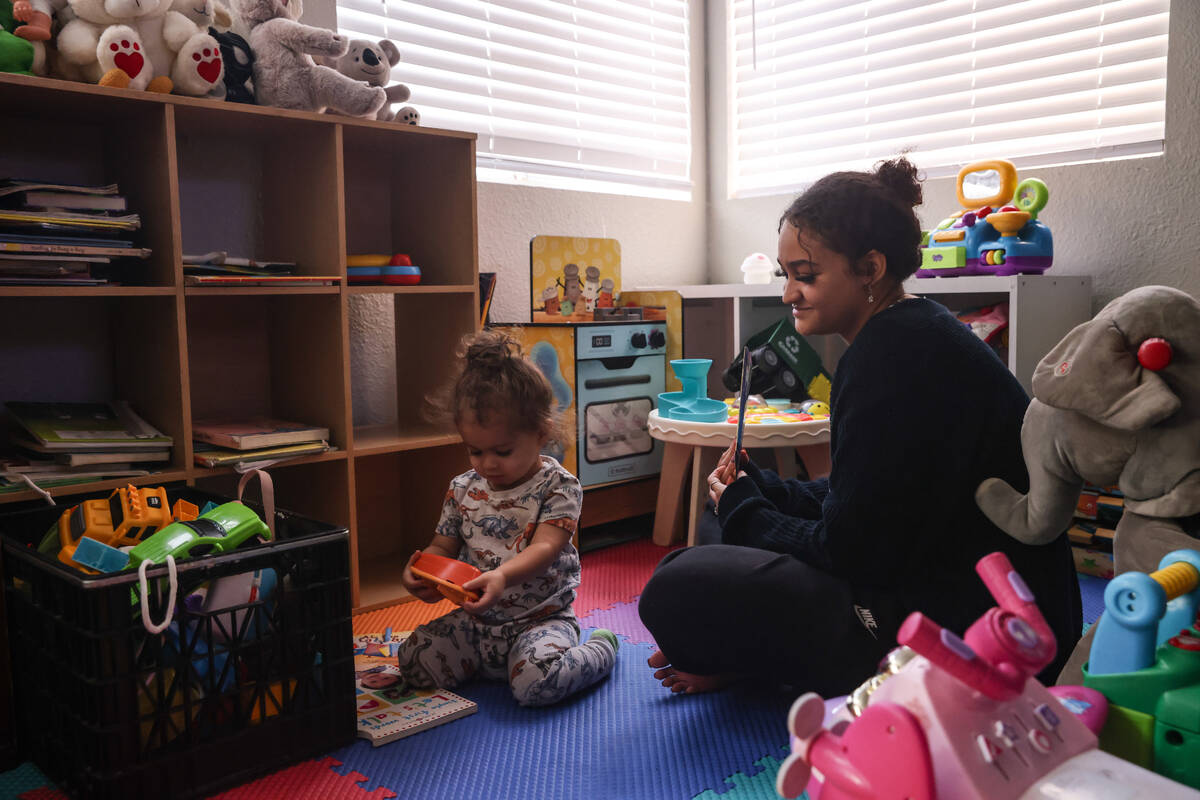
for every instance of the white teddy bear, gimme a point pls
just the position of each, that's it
(138, 44)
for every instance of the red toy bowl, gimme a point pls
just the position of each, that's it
(448, 574)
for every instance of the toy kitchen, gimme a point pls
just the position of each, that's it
(604, 353)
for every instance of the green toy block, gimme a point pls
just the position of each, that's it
(943, 257)
(1129, 734)
(1174, 750)
(1142, 690)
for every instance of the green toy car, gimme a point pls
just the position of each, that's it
(220, 530)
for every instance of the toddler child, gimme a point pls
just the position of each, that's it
(511, 516)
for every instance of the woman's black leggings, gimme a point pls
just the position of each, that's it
(720, 609)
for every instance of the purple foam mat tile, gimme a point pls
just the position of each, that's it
(626, 738)
(622, 619)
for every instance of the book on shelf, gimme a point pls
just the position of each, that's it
(219, 259)
(68, 201)
(64, 245)
(250, 434)
(13, 185)
(29, 445)
(388, 710)
(67, 220)
(207, 455)
(487, 288)
(19, 482)
(49, 280)
(113, 457)
(261, 280)
(86, 427)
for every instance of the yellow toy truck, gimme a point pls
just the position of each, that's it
(126, 518)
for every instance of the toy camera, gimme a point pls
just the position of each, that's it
(124, 519)
(963, 719)
(783, 364)
(1146, 660)
(997, 231)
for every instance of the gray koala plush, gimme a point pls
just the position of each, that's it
(372, 62)
(285, 74)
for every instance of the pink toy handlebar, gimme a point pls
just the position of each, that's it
(953, 655)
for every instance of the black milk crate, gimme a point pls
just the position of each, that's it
(108, 710)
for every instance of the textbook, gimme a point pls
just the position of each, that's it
(251, 434)
(387, 710)
(86, 427)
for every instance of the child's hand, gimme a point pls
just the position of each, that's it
(423, 590)
(489, 586)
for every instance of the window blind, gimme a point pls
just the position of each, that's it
(591, 92)
(818, 86)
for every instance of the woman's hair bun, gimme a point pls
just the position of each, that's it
(899, 176)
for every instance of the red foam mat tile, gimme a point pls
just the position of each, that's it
(617, 574)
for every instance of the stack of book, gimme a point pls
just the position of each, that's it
(53, 444)
(248, 443)
(218, 268)
(1094, 529)
(63, 234)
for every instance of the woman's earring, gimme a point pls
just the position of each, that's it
(870, 297)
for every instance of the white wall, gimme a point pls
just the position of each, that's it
(1125, 223)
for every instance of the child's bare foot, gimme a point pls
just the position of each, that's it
(679, 681)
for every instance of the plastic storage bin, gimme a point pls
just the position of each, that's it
(226, 694)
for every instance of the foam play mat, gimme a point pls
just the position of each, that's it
(626, 738)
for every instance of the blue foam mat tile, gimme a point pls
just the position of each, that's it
(759, 785)
(1091, 592)
(625, 738)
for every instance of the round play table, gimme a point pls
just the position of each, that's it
(698, 446)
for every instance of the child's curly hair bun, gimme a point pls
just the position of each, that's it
(496, 381)
(490, 349)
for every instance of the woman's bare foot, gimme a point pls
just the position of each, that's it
(679, 681)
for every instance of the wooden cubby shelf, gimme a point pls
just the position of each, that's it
(268, 184)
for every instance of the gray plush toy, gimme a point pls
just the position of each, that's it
(285, 74)
(1116, 401)
(371, 63)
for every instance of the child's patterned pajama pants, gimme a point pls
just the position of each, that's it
(542, 660)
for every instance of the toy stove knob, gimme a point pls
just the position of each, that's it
(657, 338)
(638, 340)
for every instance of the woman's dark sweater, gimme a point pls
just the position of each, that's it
(923, 411)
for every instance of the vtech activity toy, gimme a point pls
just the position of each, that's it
(965, 719)
(997, 230)
(1146, 660)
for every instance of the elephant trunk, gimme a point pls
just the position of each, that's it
(1056, 473)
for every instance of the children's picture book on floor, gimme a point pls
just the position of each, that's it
(387, 709)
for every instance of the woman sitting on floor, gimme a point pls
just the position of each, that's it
(811, 580)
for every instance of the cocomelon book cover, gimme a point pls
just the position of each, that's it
(388, 710)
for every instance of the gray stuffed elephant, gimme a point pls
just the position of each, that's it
(1117, 401)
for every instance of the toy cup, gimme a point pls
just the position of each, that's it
(448, 574)
(693, 402)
